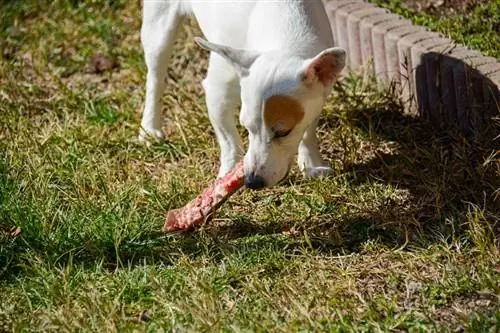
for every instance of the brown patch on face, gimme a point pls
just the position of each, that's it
(282, 113)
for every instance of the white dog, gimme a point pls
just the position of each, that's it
(274, 57)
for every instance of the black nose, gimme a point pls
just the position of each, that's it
(254, 182)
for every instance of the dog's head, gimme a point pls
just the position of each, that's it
(282, 95)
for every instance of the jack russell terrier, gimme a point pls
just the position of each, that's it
(274, 58)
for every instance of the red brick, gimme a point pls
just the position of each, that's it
(355, 44)
(378, 39)
(367, 11)
(491, 93)
(476, 62)
(494, 78)
(393, 58)
(408, 67)
(451, 83)
(464, 100)
(361, 49)
(343, 35)
(405, 44)
(463, 53)
(365, 30)
(441, 91)
(332, 5)
(492, 90)
(423, 53)
(489, 68)
(468, 92)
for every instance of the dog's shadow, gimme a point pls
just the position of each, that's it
(445, 173)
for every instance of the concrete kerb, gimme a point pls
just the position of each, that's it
(443, 81)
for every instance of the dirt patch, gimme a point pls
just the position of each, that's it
(460, 309)
(444, 7)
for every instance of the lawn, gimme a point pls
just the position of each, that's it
(474, 23)
(403, 236)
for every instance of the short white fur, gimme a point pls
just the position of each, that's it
(258, 49)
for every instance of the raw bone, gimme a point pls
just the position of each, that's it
(201, 209)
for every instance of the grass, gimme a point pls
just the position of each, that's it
(478, 29)
(404, 236)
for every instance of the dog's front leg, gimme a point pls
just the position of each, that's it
(309, 158)
(161, 21)
(223, 97)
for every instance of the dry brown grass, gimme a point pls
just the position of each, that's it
(403, 237)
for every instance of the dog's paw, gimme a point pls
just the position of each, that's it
(224, 169)
(146, 136)
(227, 165)
(318, 172)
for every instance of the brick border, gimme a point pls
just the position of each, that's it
(443, 81)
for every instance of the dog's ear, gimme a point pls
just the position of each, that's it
(240, 59)
(325, 67)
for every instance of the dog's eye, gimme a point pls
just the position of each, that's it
(282, 133)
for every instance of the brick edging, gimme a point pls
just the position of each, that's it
(445, 82)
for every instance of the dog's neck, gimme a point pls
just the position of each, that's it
(298, 28)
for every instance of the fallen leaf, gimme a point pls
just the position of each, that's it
(100, 63)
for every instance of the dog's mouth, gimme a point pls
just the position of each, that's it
(285, 176)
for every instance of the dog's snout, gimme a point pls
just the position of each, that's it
(254, 182)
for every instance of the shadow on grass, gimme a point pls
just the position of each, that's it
(447, 157)
(448, 174)
(445, 172)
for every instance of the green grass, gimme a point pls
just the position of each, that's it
(403, 237)
(478, 29)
